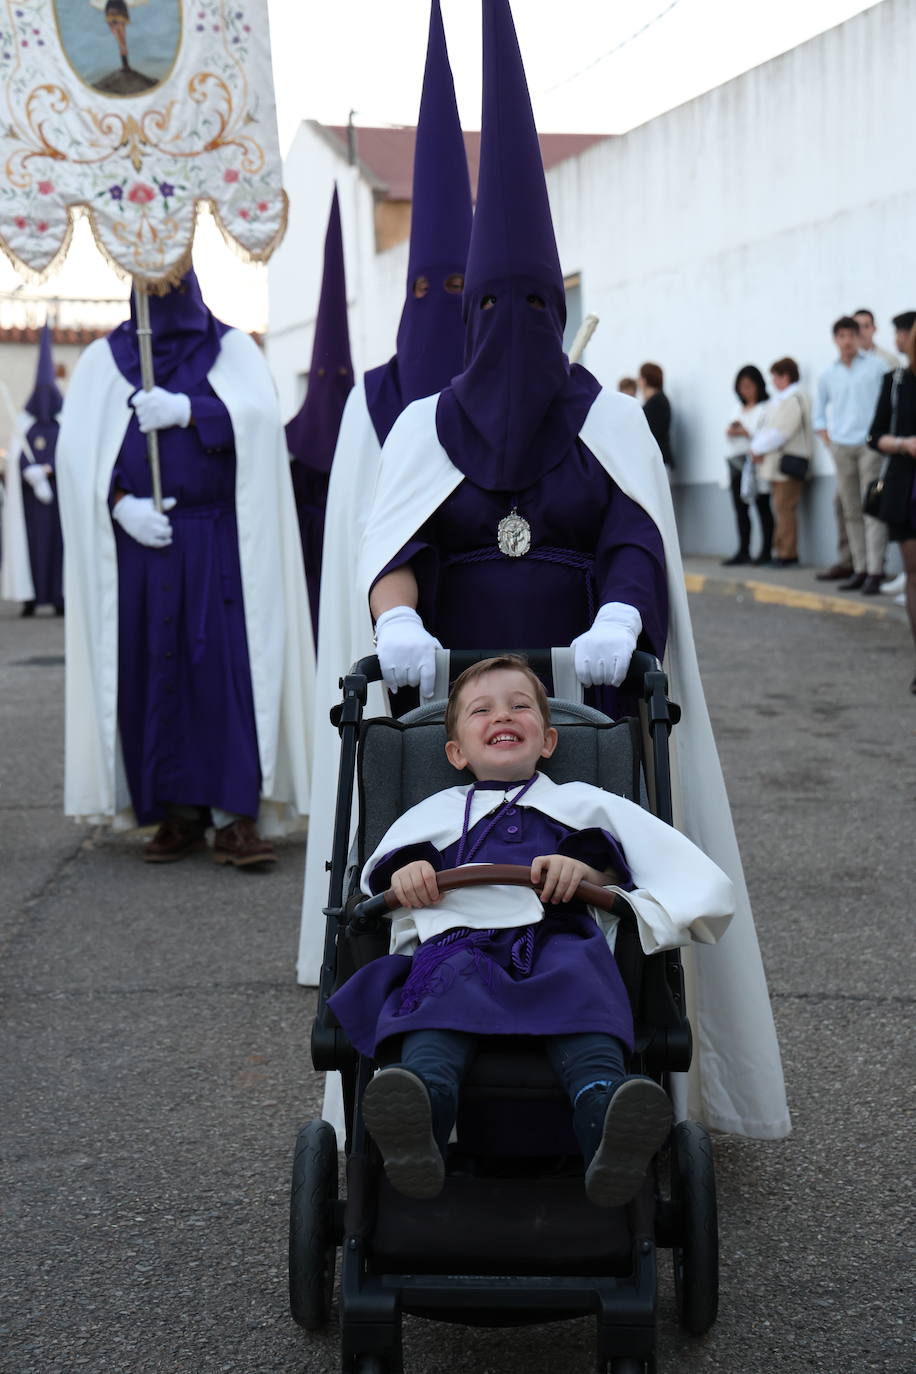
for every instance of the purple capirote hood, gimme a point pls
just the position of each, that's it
(311, 435)
(513, 412)
(45, 400)
(430, 339)
(185, 335)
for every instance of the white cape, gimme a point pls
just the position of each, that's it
(92, 426)
(736, 1082)
(16, 573)
(344, 635)
(680, 895)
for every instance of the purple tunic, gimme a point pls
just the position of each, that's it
(42, 523)
(553, 978)
(185, 704)
(590, 544)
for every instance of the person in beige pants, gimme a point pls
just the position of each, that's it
(786, 431)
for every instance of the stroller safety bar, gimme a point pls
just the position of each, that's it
(475, 875)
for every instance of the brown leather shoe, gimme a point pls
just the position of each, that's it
(240, 844)
(175, 838)
(837, 573)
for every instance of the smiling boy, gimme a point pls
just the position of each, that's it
(504, 961)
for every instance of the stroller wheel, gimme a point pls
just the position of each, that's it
(696, 1248)
(312, 1247)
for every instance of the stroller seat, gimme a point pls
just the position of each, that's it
(512, 1236)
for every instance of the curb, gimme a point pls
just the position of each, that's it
(768, 593)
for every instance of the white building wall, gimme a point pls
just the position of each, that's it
(734, 229)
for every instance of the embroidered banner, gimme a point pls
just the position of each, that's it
(137, 110)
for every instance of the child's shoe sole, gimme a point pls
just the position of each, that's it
(398, 1114)
(636, 1123)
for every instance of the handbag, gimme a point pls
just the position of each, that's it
(749, 488)
(793, 465)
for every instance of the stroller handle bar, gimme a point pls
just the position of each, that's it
(475, 875)
(451, 662)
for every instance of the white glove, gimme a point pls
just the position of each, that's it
(139, 518)
(37, 479)
(160, 409)
(603, 653)
(406, 651)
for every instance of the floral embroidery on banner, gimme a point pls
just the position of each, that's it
(138, 160)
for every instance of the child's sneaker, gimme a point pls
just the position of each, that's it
(636, 1122)
(398, 1113)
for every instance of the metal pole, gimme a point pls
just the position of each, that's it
(145, 341)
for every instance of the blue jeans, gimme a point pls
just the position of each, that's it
(443, 1057)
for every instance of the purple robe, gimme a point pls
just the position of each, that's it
(556, 977)
(590, 544)
(42, 522)
(185, 704)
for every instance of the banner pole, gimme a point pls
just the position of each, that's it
(145, 341)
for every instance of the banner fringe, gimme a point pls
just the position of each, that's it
(158, 285)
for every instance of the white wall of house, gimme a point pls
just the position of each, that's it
(733, 229)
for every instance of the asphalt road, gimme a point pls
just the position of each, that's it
(154, 1061)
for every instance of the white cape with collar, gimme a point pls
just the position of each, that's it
(344, 635)
(92, 427)
(16, 573)
(680, 895)
(736, 1082)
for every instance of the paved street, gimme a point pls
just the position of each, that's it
(155, 1048)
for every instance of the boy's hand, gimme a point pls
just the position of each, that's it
(415, 884)
(561, 876)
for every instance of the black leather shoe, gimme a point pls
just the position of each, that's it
(783, 562)
(872, 585)
(763, 560)
(852, 584)
(737, 560)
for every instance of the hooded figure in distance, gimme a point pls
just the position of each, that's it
(33, 548)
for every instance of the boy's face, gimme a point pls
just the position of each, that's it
(500, 734)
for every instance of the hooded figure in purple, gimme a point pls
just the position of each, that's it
(39, 486)
(311, 435)
(208, 594)
(430, 349)
(537, 545)
(430, 339)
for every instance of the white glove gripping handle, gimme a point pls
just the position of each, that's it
(161, 409)
(139, 518)
(406, 650)
(603, 653)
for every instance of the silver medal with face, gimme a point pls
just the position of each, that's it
(513, 535)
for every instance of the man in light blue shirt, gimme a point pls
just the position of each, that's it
(847, 394)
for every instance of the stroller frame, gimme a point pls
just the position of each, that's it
(375, 1292)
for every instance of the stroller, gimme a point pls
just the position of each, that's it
(512, 1238)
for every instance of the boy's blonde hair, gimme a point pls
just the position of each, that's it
(514, 662)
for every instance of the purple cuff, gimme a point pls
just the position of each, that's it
(388, 865)
(599, 849)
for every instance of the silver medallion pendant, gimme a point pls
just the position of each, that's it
(513, 535)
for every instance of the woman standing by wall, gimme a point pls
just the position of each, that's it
(782, 449)
(657, 409)
(893, 433)
(751, 390)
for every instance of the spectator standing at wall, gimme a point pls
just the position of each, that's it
(751, 390)
(893, 435)
(627, 385)
(657, 409)
(867, 330)
(777, 448)
(847, 394)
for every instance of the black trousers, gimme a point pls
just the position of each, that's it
(743, 517)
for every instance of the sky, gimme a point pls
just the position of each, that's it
(594, 66)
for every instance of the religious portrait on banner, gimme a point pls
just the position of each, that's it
(120, 47)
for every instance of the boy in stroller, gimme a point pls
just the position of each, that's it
(499, 961)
